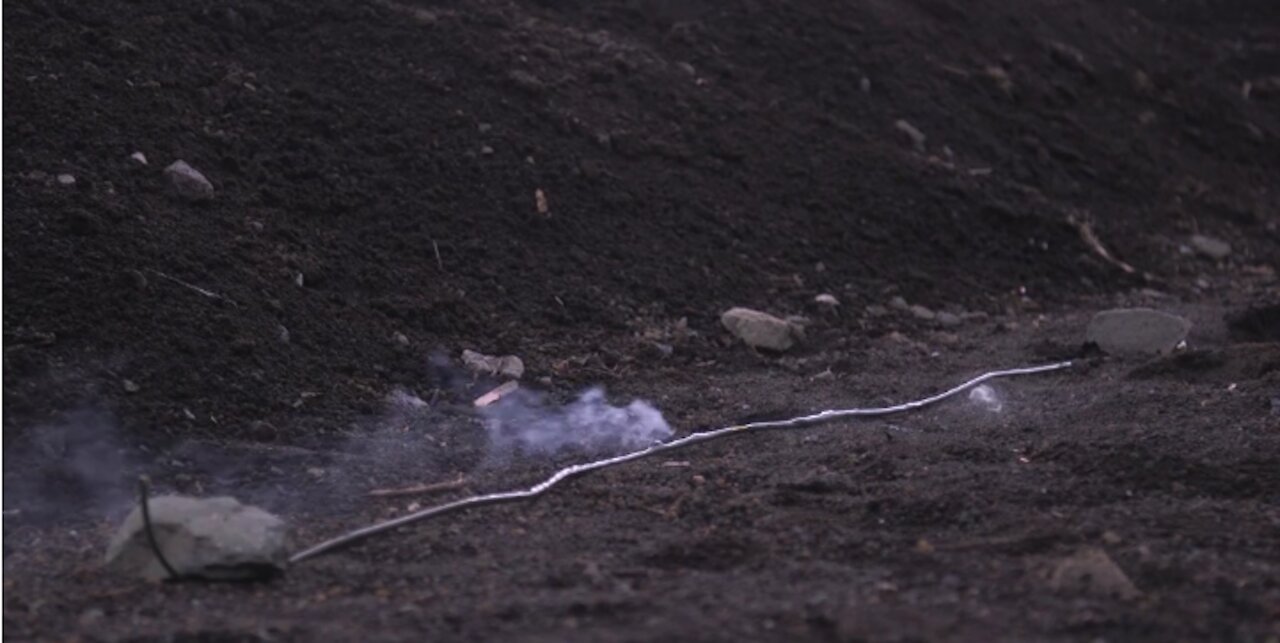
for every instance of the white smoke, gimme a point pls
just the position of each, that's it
(523, 421)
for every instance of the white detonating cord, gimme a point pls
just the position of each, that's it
(693, 438)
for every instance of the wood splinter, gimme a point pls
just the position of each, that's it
(447, 485)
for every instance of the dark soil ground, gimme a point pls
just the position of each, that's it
(376, 169)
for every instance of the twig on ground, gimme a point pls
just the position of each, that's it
(207, 293)
(1090, 239)
(496, 394)
(660, 447)
(439, 261)
(447, 485)
(144, 491)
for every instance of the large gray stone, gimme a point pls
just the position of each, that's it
(211, 538)
(1136, 331)
(1092, 570)
(760, 330)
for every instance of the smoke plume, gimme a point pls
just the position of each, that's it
(524, 422)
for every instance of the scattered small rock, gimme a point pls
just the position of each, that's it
(917, 137)
(898, 303)
(865, 85)
(402, 340)
(876, 310)
(948, 320)
(188, 182)
(130, 386)
(139, 158)
(486, 150)
(1136, 331)
(687, 68)
(527, 81)
(920, 312)
(1069, 56)
(662, 350)
(1000, 77)
(66, 180)
(540, 202)
(1093, 571)
(1215, 249)
(138, 279)
(210, 538)
(827, 303)
(760, 330)
(282, 333)
(506, 365)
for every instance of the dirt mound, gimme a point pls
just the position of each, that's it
(376, 167)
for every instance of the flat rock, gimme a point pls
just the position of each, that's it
(920, 312)
(188, 182)
(1136, 331)
(759, 330)
(1211, 247)
(948, 320)
(1092, 570)
(210, 538)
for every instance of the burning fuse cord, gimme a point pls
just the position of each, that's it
(662, 447)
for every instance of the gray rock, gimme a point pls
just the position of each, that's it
(1136, 331)
(948, 320)
(66, 180)
(506, 365)
(826, 301)
(898, 303)
(1092, 570)
(139, 158)
(527, 81)
(760, 330)
(188, 182)
(876, 310)
(920, 312)
(1211, 247)
(211, 538)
